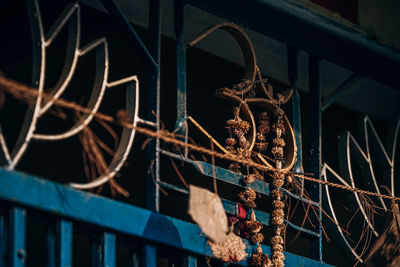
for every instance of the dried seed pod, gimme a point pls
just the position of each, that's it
(244, 144)
(276, 240)
(279, 125)
(260, 136)
(243, 152)
(279, 175)
(249, 179)
(278, 204)
(279, 142)
(253, 226)
(260, 259)
(278, 182)
(278, 221)
(277, 247)
(276, 193)
(278, 255)
(247, 195)
(277, 151)
(230, 149)
(250, 205)
(253, 216)
(257, 238)
(278, 212)
(263, 123)
(230, 141)
(261, 146)
(244, 126)
(235, 167)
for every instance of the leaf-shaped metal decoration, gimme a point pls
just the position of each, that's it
(71, 16)
(349, 150)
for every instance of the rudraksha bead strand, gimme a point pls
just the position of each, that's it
(278, 181)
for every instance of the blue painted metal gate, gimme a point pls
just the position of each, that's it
(69, 208)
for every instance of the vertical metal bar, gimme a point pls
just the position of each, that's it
(17, 252)
(3, 241)
(135, 261)
(50, 247)
(149, 256)
(108, 249)
(96, 253)
(296, 110)
(190, 261)
(64, 244)
(315, 149)
(153, 105)
(181, 123)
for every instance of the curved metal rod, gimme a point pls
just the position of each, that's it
(5, 158)
(323, 174)
(346, 169)
(72, 55)
(289, 137)
(125, 145)
(246, 47)
(96, 96)
(391, 147)
(372, 141)
(38, 78)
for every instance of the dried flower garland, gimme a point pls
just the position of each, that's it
(278, 182)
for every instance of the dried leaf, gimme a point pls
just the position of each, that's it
(207, 211)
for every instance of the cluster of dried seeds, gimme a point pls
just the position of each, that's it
(262, 131)
(248, 196)
(237, 142)
(232, 249)
(260, 259)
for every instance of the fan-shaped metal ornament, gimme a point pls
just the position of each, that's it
(71, 16)
(349, 150)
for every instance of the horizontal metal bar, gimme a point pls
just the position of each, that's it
(339, 91)
(231, 208)
(311, 32)
(222, 174)
(61, 200)
(232, 177)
